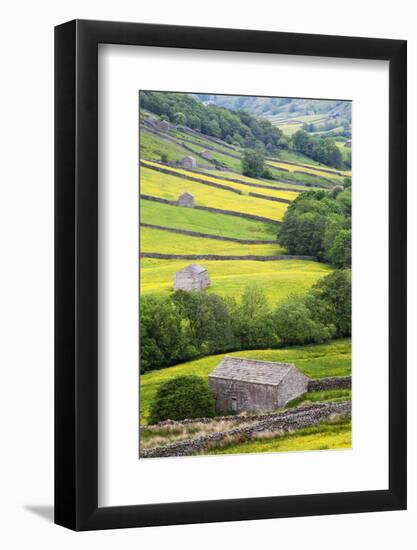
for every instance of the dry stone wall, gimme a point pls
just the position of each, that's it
(333, 383)
(281, 422)
(158, 255)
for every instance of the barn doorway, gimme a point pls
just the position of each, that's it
(234, 404)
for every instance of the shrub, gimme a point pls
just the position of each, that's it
(183, 397)
(253, 163)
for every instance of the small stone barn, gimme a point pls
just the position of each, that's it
(348, 143)
(189, 163)
(250, 385)
(186, 199)
(164, 125)
(208, 155)
(193, 277)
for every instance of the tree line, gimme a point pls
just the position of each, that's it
(188, 325)
(320, 149)
(234, 127)
(318, 223)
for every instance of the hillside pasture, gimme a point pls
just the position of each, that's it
(171, 187)
(311, 170)
(180, 217)
(167, 242)
(245, 189)
(316, 361)
(294, 187)
(229, 278)
(153, 146)
(325, 436)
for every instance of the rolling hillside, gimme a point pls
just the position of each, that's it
(234, 216)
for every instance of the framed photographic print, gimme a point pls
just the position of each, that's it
(230, 275)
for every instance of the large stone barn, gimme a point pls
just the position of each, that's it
(186, 199)
(189, 163)
(250, 385)
(193, 277)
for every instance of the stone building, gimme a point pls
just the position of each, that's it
(164, 125)
(207, 154)
(189, 163)
(250, 385)
(193, 277)
(348, 143)
(186, 199)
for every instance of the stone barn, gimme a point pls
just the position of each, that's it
(164, 125)
(186, 199)
(189, 163)
(348, 143)
(208, 155)
(193, 277)
(250, 385)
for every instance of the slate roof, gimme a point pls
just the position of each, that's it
(249, 370)
(187, 194)
(194, 268)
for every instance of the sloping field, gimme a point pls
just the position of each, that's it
(201, 142)
(180, 217)
(166, 242)
(298, 158)
(294, 187)
(316, 361)
(313, 170)
(278, 279)
(315, 438)
(171, 187)
(270, 192)
(153, 146)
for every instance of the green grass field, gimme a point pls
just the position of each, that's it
(272, 183)
(166, 242)
(325, 436)
(271, 192)
(278, 279)
(153, 146)
(171, 187)
(180, 217)
(316, 361)
(312, 170)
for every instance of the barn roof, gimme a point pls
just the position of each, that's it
(194, 268)
(187, 194)
(250, 370)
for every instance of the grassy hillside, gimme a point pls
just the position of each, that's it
(245, 189)
(313, 170)
(180, 217)
(167, 242)
(294, 187)
(278, 279)
(315, 438)
(153, 146)
(171, 187)
(316, 361)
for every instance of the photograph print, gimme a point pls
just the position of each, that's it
(245, 274)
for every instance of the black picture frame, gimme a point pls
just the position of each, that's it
(76, 272)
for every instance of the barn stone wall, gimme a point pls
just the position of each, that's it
(294, 384)
(249, 396)
(185, 280)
